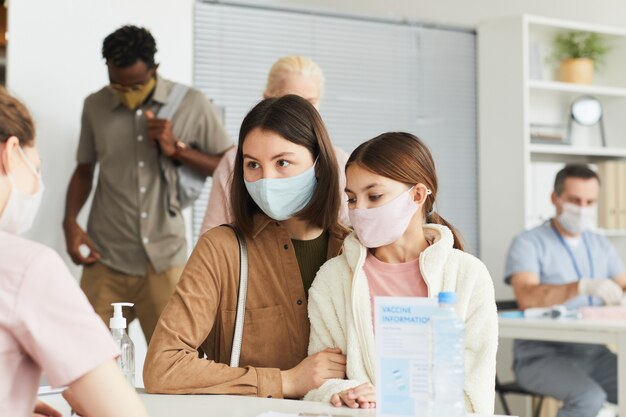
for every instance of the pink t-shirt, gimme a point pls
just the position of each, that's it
(46, 323)
(394, 280)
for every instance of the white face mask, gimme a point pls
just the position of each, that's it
(20, 211)
(576, 219)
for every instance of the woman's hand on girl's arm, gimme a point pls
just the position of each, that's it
(363, 396)
(313, 371)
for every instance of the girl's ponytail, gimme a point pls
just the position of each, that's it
(435, 218)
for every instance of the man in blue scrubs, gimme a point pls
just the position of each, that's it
(563, 262)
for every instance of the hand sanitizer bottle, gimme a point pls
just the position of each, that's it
(126, 360)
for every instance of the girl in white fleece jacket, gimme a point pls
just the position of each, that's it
(400, 247)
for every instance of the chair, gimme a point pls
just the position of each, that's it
(503, 389)
(514, 388)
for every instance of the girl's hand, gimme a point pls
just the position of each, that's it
(363, 396)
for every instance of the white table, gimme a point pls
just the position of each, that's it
(575, 331)
(225, 406)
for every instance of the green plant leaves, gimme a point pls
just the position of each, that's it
(577, 44)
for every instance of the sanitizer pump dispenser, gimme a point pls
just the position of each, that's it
(126, 360)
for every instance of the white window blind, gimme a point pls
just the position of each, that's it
(447, 123)
(380, 76)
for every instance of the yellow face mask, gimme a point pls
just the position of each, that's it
(134, 98)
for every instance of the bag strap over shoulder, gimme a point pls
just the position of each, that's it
(241, 298)
(174, 99)
(168, 170)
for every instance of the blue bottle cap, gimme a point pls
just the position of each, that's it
(447, 298)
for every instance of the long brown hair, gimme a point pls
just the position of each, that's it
(405, 158)
(296, 120)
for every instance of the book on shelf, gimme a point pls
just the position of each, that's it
(549, 134)
(612, 196)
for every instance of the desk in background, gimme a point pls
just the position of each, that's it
(575, 331)
(225, 406)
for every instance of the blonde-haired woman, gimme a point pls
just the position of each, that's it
(401, 247)
(293, 74)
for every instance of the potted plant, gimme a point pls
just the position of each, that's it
(578, 52)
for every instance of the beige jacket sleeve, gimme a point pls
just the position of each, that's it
(173, 365)
(327, 312)
(481, 345)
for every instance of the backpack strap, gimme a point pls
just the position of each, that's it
(167, 168)
(174, 99)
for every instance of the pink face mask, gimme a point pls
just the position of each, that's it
(380, 226)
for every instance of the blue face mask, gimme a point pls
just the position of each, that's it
(281, 198)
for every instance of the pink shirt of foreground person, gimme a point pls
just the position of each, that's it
(47, 324)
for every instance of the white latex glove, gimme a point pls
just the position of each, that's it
(607, 289)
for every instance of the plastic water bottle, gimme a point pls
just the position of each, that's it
(448, 359)
(126, 360)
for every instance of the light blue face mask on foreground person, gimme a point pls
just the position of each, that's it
(281, 198)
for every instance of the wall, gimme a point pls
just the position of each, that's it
(465, 13)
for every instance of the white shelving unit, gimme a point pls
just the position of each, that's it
(518, 88)
(612, 233)
(590, 152)
(580, 89)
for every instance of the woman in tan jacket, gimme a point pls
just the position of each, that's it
(285, 201)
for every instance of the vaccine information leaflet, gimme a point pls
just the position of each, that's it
(403, 327)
